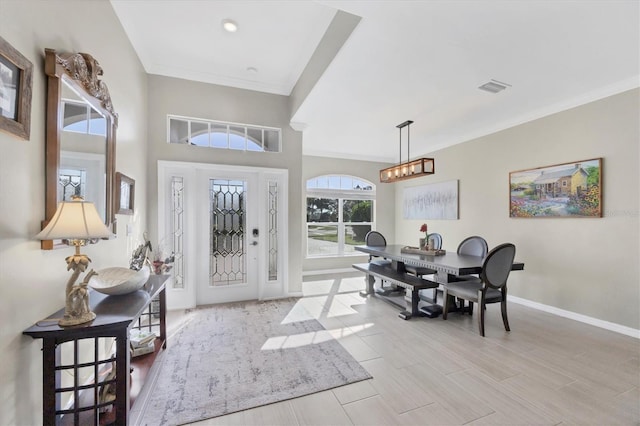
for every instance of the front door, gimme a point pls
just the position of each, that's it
(227, 240)
(227, 226)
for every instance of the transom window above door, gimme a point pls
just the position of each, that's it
(224, 135)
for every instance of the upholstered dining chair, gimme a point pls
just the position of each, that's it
(474, 246)
(375, 238)
(491, 287)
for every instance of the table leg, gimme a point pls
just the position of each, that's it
(411, 298)
(369, 281)
(443, 279)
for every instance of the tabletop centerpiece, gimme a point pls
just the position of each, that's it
(424, 241)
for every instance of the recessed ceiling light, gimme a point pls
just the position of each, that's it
(229, 25)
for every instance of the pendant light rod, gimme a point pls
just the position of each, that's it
(402, 126)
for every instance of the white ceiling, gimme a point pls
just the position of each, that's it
(405, 60)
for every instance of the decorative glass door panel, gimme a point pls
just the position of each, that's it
(227, 217)
(227, 257)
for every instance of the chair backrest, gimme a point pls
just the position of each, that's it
(374, 238)
(497, 265)
(437, 240)
(474, 246)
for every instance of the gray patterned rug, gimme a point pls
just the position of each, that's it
(237, 356)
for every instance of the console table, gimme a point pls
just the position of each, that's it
(115, 317)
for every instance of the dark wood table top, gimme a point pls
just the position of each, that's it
(450, 262)
(111, 311)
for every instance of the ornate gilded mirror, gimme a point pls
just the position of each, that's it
(81, 134)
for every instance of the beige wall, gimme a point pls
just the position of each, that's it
(385, 197)
(586, 266)
(212, 102)
(32, 281)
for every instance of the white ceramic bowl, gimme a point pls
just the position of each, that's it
(117, 280)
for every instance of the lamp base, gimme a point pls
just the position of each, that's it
(68, 320)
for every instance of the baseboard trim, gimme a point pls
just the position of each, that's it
(627, 331)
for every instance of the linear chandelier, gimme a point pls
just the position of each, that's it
(410, 169)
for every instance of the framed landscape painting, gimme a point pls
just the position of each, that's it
(562, 190)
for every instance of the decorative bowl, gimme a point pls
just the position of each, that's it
(118, 280)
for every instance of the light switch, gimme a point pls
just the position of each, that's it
(129, 229)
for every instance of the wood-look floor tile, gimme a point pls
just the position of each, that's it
(513, 363)
(322, 408)
(372, 411)
(429, 415)
(354, 392)
(509, 407)
(396, 386)
(565, 404)
(462, 404)
(600, 378)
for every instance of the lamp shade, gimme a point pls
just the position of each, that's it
(75, 220)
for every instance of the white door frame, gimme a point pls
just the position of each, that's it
(185, 298)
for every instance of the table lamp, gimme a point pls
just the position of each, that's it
(78, 222)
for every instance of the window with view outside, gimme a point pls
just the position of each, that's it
(339, 214)
(223, 135)
(79, 117)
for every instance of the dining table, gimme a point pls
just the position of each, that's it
(449, 266)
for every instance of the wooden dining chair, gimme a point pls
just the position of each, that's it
(491, 287)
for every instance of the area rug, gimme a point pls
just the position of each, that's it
(237, 356)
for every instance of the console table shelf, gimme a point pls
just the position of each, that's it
(116, 316)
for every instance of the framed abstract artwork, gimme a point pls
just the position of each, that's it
(562, 190)
(16, 73)
(434, 201)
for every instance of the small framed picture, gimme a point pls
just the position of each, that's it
(16, 73)
(125, 194)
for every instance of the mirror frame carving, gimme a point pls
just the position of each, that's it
(80, 71)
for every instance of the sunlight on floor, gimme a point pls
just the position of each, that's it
(327, 298)
(311, 338)
(324, 300)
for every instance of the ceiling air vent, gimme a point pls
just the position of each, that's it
(494, 86)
